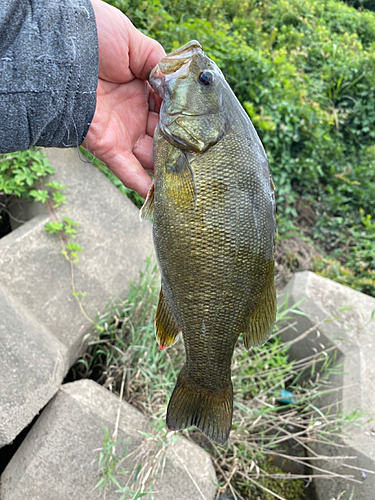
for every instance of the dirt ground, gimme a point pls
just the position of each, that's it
(292, 255)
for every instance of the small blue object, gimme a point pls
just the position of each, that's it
(287, 398)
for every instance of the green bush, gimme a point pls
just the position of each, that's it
(22, 175)
(304, 71)
(22, 172)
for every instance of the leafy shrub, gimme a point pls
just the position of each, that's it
(304, 71)
(354, 263)
(20, 173)
(21, 176)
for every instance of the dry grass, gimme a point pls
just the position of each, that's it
(124, 357)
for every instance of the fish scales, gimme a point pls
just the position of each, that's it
(197, 296)
(214, 230)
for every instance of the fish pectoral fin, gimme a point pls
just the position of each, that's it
(166, 329)
(147, 210)
(262, 319)
(210, 412)
(180, 179)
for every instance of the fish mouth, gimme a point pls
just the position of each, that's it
(156, 80)
(173, 65)
(178, 58)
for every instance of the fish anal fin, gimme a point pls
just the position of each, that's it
(261, 321)
(147, 210)
(166, 329)
(211, 412)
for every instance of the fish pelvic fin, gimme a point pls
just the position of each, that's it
(166, 328)
(262, 319)
(147, 210)
(211, 412)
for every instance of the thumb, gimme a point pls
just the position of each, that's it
(124, 52)
(144, 53)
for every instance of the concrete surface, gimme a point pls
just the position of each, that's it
(42, 328)
(33, 364)
(59, 458)
(115, 246)
(348, 326)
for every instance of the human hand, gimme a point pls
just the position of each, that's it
(126, 113)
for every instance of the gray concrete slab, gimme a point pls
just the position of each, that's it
(33, 364)
(36, 356)
(347, 324)
(115, 246)
(59, 458)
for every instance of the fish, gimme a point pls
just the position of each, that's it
(212, 203)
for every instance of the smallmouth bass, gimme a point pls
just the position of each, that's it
(213, 210)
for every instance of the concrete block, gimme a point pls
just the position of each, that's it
(59, 458)
(33, 363)
(115, 246)
(347, 325)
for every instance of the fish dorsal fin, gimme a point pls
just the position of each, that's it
(262, 319)
(180, 179)
(147, 210)
(166, 329)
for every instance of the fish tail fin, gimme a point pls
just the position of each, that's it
(211, 412)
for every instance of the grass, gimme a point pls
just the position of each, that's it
(123, 356)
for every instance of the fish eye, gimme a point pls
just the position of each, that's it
(206, 78)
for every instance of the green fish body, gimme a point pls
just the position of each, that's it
(213, 209)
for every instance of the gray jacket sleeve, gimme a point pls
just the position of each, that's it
(48, 72)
